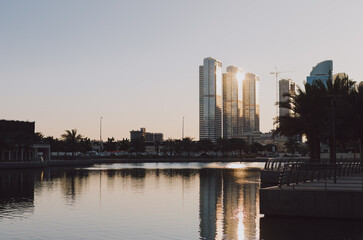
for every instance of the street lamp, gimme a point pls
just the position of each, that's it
(100, 134)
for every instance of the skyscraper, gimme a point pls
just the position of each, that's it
(251, 104)
(210, 99)
(285, 86)
(322, 71)
(232, 102)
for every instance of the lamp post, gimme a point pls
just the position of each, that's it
(100, 134)
(334, 155)
(183, 129)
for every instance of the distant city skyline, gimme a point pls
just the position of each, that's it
(65, 64)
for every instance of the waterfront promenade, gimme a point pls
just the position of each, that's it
(321, 199)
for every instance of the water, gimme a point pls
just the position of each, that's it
(147, 201)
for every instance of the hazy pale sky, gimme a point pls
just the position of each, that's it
(64, 64)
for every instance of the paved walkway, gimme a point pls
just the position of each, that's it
(344, 183)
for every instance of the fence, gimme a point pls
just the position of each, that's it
(277, 164)
(334, 175)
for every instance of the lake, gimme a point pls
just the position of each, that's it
(148, 201)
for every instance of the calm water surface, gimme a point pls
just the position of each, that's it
(148, 201)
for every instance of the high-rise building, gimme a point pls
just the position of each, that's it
(322, 71)
(232, 102)
(251, 104)
(210, 99)
(286, 86)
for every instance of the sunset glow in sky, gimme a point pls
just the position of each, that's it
(64, 64)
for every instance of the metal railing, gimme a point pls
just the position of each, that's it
(277, 164)
(295, 173)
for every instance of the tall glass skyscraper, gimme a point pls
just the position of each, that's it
(210, 99)
(251, 104)
(232, 102)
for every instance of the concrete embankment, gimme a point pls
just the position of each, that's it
(90, 162)
(270, 178)
(320, 199)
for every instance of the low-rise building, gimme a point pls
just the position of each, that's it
(147, 136)
(17, 143)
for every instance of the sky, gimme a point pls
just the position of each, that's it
(65, 64)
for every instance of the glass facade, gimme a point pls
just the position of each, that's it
(232, 100)
(210, 99)
(251, 104)
(322, 71)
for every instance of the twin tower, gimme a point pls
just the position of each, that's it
(228, 103)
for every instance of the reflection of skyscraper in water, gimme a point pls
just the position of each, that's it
(251, 210)
(210, 191)
(229, 204)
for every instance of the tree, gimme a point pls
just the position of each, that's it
(188, 145)
(138, 145)
(241, 146)
(38, 137)
(110, 145)
(169, 145)
(72, 139)
(270, 147)
(336, 109)
(124, 145)
(55, 144)
(178, 146)
(256, 147)
(308, 116)
(355, 118)
(292, 144)
(85, 145)
(205, 145)
(222, 145)
(324, 112)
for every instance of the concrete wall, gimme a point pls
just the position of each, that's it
(311, 203)
(270, 177)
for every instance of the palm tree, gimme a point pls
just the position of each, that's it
(85, 145)
(322, 113)
(110, 145)
(72, 138)
(355, 117)
(292, 144)
(337, 108)
(125, 145)
(38, 137)
(307, 118)
(188, 145)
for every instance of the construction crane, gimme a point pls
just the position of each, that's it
(277, 73)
